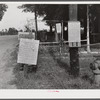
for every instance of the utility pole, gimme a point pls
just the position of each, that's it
(73, 51)
(88, 37)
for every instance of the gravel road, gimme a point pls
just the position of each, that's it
(7, 45)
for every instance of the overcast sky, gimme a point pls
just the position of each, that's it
(14, 17)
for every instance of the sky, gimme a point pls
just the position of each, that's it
(14, 17)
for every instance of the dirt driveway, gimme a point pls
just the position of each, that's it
(7, 45)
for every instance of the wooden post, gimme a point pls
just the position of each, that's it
(62, 28)
(88, 37)
(73, 12)
(56, 34)
(61, 45)
(74, 55)
(36, 25)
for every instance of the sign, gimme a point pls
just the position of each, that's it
(28, 35)
(74, 36)
(58, 27)
(28, 51)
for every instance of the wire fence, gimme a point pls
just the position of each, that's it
(54, 37)
(61, 51)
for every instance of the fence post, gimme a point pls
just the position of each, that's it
(36, 26)
(88, 36)
(74, 55)
(62, 29)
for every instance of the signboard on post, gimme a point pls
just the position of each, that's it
(28, 35)
(58, 27)
(74, 35)
(28, 51)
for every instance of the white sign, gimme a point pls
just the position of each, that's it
(58, 27)
(28, 51)
(28, 35)
(74, 35)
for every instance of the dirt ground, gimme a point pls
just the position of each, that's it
(7, 45)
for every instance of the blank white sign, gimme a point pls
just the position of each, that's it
(74, 31)
(28, 51)
(58, 27)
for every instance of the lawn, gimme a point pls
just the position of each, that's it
(53, 71)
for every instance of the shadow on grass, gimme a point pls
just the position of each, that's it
(84, 81)
(87, 78)
(59, 61)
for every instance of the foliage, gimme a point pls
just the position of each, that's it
(53, 13)
(93, 15)
(3, 8)
(32, 8)
(49, 12)
(10, 31)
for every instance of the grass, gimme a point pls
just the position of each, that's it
(53, 72)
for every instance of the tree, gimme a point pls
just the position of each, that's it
(31, 8)
(27, 29)
(53, 13)
(48, 11)
(3, 8)
(12, 31)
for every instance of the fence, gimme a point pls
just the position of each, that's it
(54, 34)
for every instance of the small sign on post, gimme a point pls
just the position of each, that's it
(74, 36)
(28, 51)
(58, 27)
(27, 35)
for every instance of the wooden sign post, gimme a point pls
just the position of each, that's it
(28, 51)
(58, 27)
(73, 29)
